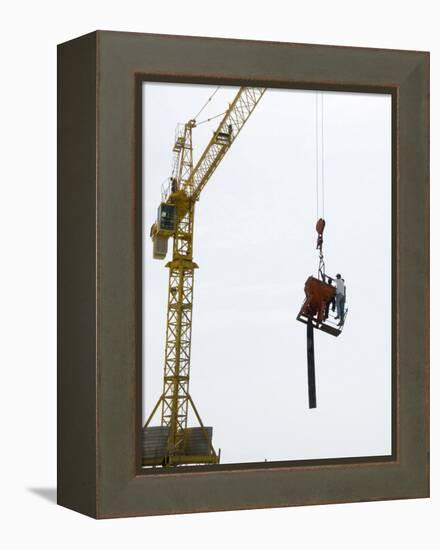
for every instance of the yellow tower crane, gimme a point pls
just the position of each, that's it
(173, 442)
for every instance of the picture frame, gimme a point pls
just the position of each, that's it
(100, 227)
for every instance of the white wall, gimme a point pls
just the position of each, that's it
(30, 31)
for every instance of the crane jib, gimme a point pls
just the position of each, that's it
(227, 131)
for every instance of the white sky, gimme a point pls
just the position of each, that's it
(255, 246)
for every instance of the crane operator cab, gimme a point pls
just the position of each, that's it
(162, 229)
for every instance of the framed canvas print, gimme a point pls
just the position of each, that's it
(243, 274)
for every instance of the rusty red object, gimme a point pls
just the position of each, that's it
(318, 294)
(320, 224)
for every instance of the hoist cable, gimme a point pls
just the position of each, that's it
(319, 167)
(209, 99)
(317, 155)
(211, 118)
(322, 152)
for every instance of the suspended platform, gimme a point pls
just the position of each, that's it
(319, 307)
(330, 325)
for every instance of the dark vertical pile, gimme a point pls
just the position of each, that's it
(311, 366)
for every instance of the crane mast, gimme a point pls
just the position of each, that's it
(175, 443)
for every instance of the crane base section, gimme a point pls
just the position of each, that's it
(197, 447)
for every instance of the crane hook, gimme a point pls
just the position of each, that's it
(320, 225)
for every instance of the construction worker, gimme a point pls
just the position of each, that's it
(340, 298)
(331, 302)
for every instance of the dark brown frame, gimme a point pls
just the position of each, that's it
(99, 274)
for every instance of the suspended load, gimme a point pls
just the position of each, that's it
(323, 309)
(319, 296)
